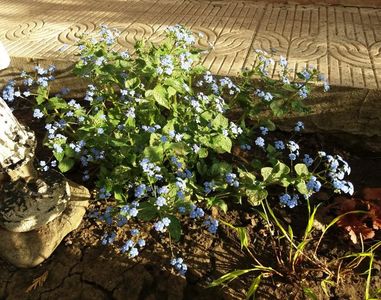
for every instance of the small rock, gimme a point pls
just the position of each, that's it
(28, 249)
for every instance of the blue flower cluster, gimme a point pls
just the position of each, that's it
(150, 169)
(260, 142)
(161, 225)
(129, 210)
(108, 239)
(179, 265)
(294, 150)
(246, 147)
(44, 166)
(308, 160)
(209, 186)
(231, 179)
(9, 91)
(196, 212)
(337, 169)
(266, 96)
(279, 145)
(211, 224)
(132, 247)
(299, 126)
(166, 65)
(313, 185)
(287, 200)
(181, 34)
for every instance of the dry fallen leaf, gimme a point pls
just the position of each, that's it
(365, 224)
(37, 282)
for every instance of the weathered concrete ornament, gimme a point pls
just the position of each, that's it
(37, 210)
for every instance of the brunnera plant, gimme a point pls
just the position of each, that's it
(152, 131)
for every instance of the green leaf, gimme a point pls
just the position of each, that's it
(174, 228)
(154, 153)
(255, 197)
(58, 155)
(302, 187)
(280, 169)
(213, 201)
(202, 153)
(65, 164)
(169, 126)
(220, 122)
(266, 172)
(270, 125)
(243, 236)
(222, 143)
(159, 94)
(175, 84)
(301, 169)
(219, 168)
(229, 277)
(118, 194)
(310, 294)
(147, 211)
(171, 91)
(57, 103)
(207, 116)
(202, 168)
(42, 95)
(246, 177)
(254, 286)
(132, 82)
(179, 149)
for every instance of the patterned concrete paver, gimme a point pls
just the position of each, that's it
(344, 42)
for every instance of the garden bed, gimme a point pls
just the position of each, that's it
(82, 268)
(191, 192)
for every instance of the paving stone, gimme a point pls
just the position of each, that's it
(343, 41)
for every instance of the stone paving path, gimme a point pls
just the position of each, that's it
(344, 42)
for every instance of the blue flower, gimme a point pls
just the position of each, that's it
(264, 130)
(134, 231)
(308, 160)
(129, 244)
(212, 224)
(141, 243)
(37, 113)
(299, 126)
(160, 201)
(260, 142)
(313, 184)
(140, 190)
(163, 190)
(303, 92)
(108, 239)
(287, 200)
(133, 252)
(279, 145)
(246, 147)
(231, 179)
(283, 62)
(196, 212)
(178, 264)
(161, 226)
(208, 186)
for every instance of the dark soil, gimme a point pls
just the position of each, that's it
(82, 268)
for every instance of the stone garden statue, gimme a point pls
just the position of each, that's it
(37, 209)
